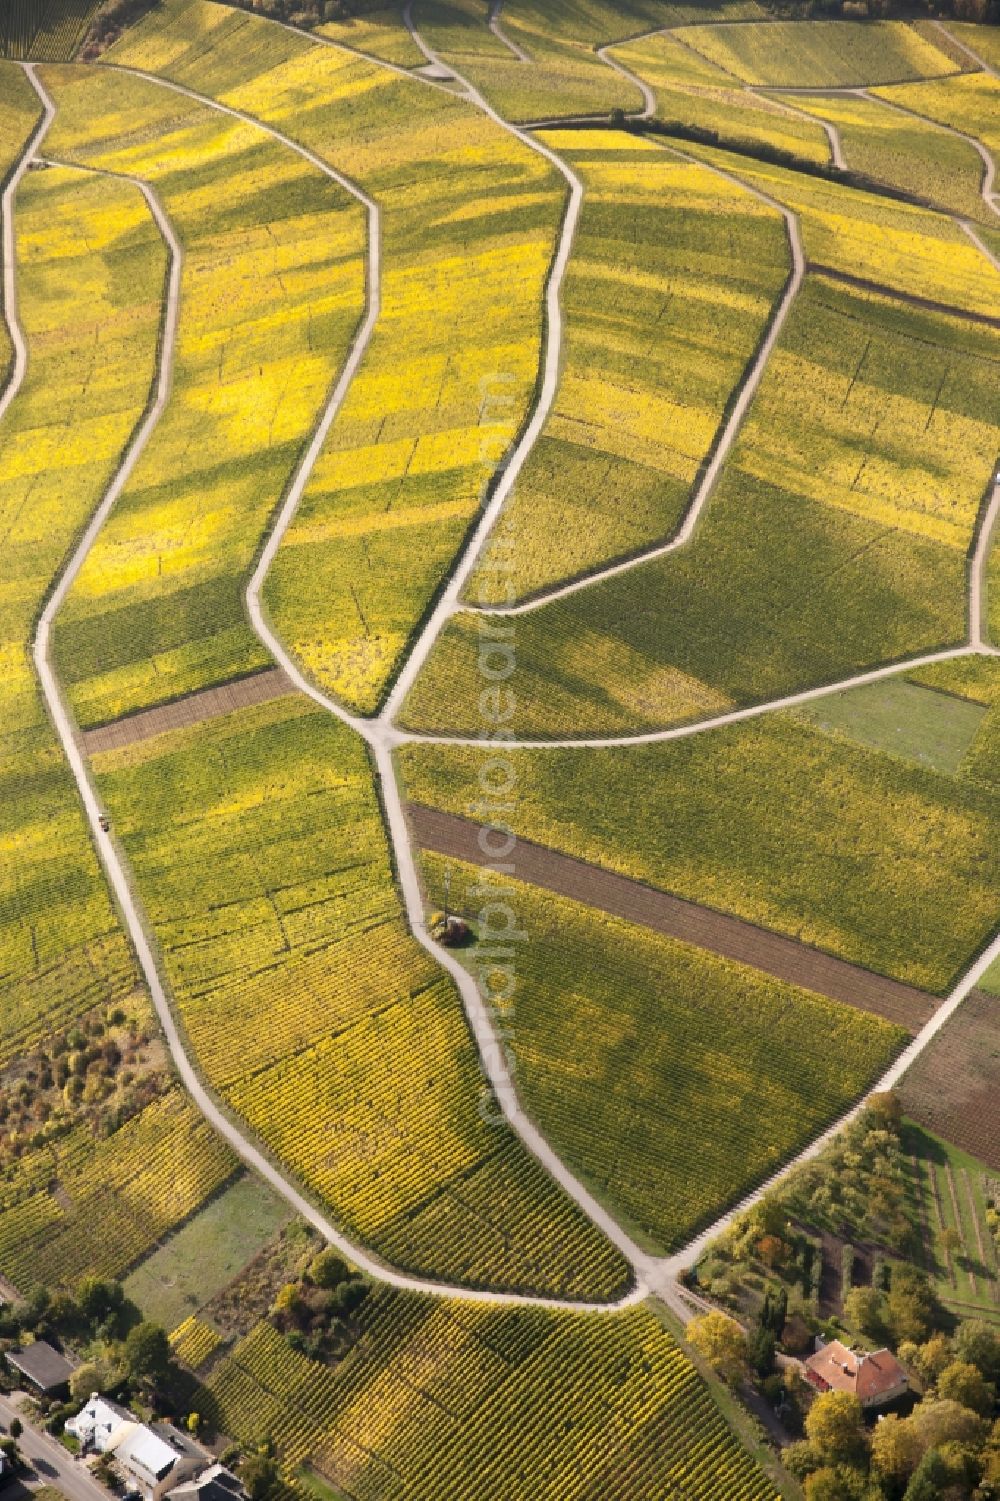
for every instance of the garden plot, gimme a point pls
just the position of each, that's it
(953, 1195)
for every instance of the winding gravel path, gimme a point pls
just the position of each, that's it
(382, 737)
(379, 738)
(8, 248)
(724, 439)
(496, 26)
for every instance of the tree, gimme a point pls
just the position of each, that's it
(261, 1477)
(896, 1448)
(802, 1459)
(85, 1379)
(721, 1341)
(939, 1420)
(760, 1351)
(929, 1479)
(16, 1428)
(933, 1356)
(950, 1241)
(327, 1269)
(963, 1383)
(100, 1299)
(910, 1306)
(978, 1343)
(864, 1309)
(826, 1485)
(834, 1425)
(147, 1354)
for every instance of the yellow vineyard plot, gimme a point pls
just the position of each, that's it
(257, 843)
(862, 234)
(91, 273)
(970, 104)
(903, 151)
(469, 218)
(820, 54)
(272, 290)
(19, 110)
(674, 273)
(691, 90)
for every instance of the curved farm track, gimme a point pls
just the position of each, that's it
(658, 910)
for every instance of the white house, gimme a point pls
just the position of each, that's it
(95, 1425)
(153, 1460)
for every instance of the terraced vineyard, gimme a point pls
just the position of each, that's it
(44, 30)
(623, 1041)
(727, 619)
(156, 610)
(472, 1393)
(293, 917)
(624, 483)
(635, 417)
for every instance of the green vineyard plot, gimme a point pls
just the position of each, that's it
(44, 30)
(440, 1402)
(659, 331)
(670, 1079)
(257, 843)
(904, 152)
(864, 457)
(823, 54)
(752, 819)
(690, 90)
(970, 104)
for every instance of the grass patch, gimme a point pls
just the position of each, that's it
(206, 1253)
(919, 724)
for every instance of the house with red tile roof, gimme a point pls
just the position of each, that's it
(874, 1377)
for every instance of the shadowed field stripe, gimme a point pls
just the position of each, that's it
(730, 937)
(192, 709)
(882, 289)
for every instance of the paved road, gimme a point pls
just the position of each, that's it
(51, 1463)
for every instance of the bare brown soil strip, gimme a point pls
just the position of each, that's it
(953, 1087)
(192, 709)
(930, 304)
(731, 937)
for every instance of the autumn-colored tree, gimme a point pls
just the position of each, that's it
(721, 1341)
(834, 1425)
(896, 1448)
